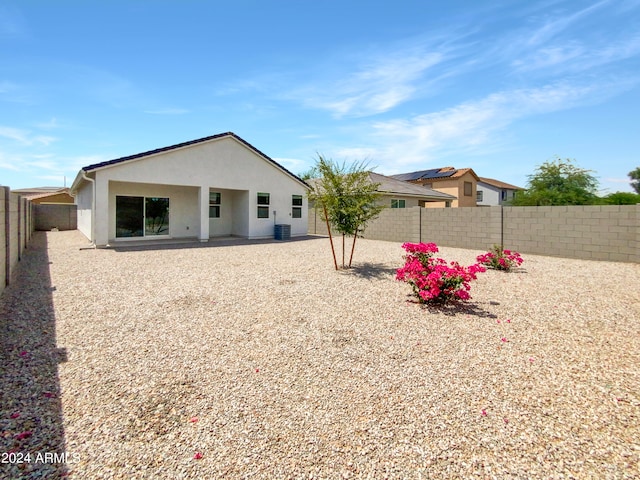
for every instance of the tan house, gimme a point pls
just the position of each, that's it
(461, 183)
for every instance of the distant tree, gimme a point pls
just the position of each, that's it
(634, 175)
(309, 174)
(621, 198)
(559, 182)
(347, 198)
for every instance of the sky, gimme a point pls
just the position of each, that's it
(497, 86)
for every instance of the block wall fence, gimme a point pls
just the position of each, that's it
(592, 232)
(16, 230)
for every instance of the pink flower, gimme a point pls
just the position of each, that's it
(483, 412)
(24, 353)
(193, 419)
(15, 415)
(197, 456)
(531, 359)
(49, 394)
(23, 435)
(508, 320)
(257, 370)
(506, 420)
(504, 339)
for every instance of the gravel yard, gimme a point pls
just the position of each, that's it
(264, 361)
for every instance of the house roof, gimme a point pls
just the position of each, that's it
(499, 184)
(40, 190)
(399, 187)
(434, 174)
(391, 186)
(37, 196)
(116, 161)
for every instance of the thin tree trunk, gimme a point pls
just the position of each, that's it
(343, 250)
(353, 246)
(333, 250)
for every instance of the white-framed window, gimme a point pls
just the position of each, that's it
(296, 206)
(263, 205)
(396, 203)
(215, 199)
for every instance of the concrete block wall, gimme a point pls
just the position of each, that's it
(594, 232)
(62, 217)
(16, 230)
(395, 225)
(465, 227)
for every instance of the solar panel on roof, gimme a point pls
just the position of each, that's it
(438, 174)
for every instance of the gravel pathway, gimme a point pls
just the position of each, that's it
(266, 363)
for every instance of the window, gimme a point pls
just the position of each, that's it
(468, 189)
(296, 208)
(395, 203)
(215, 199)
(141, 216)
(504, 195)
(263, 205)
(479, 196)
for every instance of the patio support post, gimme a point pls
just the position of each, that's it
(203, 197)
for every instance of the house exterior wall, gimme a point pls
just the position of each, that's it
(189, 173)
(184, 216)
(57, 198)
(84, 199)
(454, 186)
(490, 195)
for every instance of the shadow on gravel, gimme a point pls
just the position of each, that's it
(32, 442)
(371, 271)
(460, 308)
(176, 244)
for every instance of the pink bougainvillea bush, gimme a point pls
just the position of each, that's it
(500, 259)
(433, 279)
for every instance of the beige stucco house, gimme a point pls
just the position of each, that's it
(461, 183)
(214, 186)
(45, 195)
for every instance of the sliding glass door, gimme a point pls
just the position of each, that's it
(141, 216)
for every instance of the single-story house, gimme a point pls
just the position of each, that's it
(495, 192)
(214, 186)
(460, 182)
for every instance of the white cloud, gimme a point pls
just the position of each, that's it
(376, 86)
(25, 137)
(470, 126)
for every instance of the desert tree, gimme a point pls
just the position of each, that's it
(347, 199)
(559, 182)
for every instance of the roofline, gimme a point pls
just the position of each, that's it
(115, 161)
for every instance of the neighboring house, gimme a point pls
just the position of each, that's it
(494, 192)
(214, 186)
(45, 195)
(461, 183)
(399, 194)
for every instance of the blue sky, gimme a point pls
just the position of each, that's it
(500, 87)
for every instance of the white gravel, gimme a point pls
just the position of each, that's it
(294, 370)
